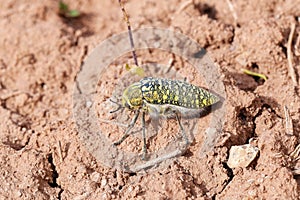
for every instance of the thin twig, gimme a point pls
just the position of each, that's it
(170, 65)
(295, 154)
(60, 151)
(158, 160)
(290, 56)
(112, 122)
(126, 18)
(184, 5)
(297, 46)
(296, 171)
(288, 122)
(232, 10)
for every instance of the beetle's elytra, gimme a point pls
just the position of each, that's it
(160, 91)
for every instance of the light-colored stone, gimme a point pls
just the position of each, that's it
(242, 156)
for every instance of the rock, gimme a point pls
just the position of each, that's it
(242, 156)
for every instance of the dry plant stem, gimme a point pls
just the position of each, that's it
(13, 94)
(297, 46)
(60, 152)
(295, 154)
(113, 122)
(232, 10)
(288, 122)
(170, 65)
(126, 18)
(296, 171)
(290, 56)
(158, 160)
(184, 5)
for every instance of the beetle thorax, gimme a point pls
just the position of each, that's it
(132, 97)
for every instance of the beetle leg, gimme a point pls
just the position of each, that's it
(130, 126)
(144, 137)
(182, 129)
(120, 107)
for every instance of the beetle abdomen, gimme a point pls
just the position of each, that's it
(180, 93)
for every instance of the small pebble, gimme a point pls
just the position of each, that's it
(89, 104)
(242, 156)
(103, 182)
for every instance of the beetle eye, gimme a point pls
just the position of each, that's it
(127, 105)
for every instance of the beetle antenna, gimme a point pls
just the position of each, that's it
(120, 107)
(126, 18)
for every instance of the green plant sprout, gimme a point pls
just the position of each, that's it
(248, 72)
(136, 70)
(66, 12)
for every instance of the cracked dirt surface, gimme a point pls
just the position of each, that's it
(41, 156)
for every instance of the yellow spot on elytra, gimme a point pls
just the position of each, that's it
(155, 95)
(176, 98)
(204, 101)
(197, 101)
(165, 97)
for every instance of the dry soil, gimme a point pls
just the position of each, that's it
(41, 155)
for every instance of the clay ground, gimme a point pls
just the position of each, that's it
(41, 155)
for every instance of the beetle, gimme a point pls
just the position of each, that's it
(161, 97)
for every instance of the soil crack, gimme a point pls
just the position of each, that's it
(85, 52)
(20, 120)
(55, 176)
